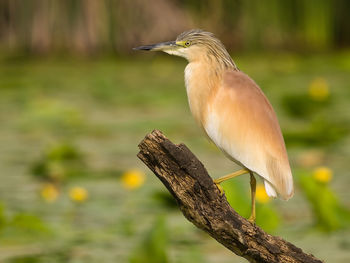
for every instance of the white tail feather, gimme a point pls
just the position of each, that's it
(270, 190)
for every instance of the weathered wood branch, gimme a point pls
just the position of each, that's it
(201, 203)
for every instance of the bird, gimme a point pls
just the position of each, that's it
(233, 112)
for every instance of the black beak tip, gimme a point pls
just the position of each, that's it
(156, 47)
(142, 48)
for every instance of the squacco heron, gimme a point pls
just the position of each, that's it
(233, 111)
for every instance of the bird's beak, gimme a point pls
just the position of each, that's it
(159, 47)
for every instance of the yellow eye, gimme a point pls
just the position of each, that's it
(187, 43)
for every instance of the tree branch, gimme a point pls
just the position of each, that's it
(201, 203)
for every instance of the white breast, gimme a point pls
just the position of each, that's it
(194, 88)
(212, 129)
(188, 74)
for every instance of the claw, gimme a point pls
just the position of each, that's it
(220, 188)
(251, 219)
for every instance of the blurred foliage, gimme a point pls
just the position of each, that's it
(59, 255)
(111, 111)
(329, 213)
(154, 248)
(268, 217)
(165, 199)
(22, 226)
(319, 132)
(28, 224)
(305, 105)
(2, 217)
(58, 163)
(302, 106)
(238, 195)
(314, 106)
(25, 225)
(53, 114)
(26, 259)
(88, 26)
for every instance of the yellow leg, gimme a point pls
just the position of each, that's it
(229, 176)
(252, 189)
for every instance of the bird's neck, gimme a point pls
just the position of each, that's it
(202, 78)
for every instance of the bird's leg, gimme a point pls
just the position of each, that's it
(252, 189)
(229, 176)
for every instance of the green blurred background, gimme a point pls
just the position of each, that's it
(75, 101)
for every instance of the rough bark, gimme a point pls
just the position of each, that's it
(202, 203)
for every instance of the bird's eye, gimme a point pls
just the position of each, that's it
(188, 43)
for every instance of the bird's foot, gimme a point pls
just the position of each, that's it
(219, 187)
(251, 219)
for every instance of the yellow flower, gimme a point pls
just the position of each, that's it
(261, 195)
(318, 89)
(133, 179)
(323, 174)
(49, 193)
(78, 194)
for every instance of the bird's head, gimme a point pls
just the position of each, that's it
(193, 45)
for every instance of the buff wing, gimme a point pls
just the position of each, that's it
(242, 123)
